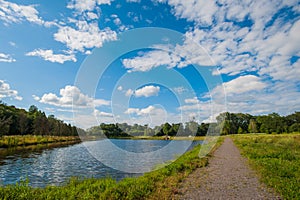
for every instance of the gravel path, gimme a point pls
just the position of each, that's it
(227, 176)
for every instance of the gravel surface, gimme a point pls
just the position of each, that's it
(227, 176)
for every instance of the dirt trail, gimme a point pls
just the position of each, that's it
(227, 176)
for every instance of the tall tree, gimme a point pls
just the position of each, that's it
(252, 128)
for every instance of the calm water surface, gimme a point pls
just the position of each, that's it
(56, 166)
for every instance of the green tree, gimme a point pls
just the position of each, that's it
(295, 127)
(166, 129)
(191, 128)
(252, 128)
(203, 129)
(240, 130)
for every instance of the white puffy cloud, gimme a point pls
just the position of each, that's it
(86, 5)
(120, 88)
(194, 10)
(244, 84)
(194, 100)
(84, 36)
(50, 56)
(143, 111)
(189, 107)
(150, 115)
(151, 60)
(147, 91)
(129, 92)
(5, 91)
(98, 113)
(6, 58)
(242, 38)
(91, 15)
(242, 94)
(240, 85)
(35, 97)
(280, 68)
(72, 96)
(14, 13)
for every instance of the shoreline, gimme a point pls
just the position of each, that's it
(7, 142)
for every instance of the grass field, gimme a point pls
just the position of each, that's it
(276, 159)
(159, 184)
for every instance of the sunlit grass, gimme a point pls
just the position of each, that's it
(26, 140)
(159, 184)
(277, 160)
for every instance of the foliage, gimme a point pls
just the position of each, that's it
(112, 130)
(126, 130)
(233, 123)
(227, 123)
(159, 184)
(15, 121)
(277, 159)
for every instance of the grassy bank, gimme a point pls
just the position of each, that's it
(277, 160)
(27, 140)
(159, 184)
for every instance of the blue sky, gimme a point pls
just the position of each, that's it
(148, 62)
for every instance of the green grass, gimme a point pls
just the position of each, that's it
(26, 140)
(159, 184)
(277, 160)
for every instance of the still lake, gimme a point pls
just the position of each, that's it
(114, 158)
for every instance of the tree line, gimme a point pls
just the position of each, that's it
(16, 121)
(226, 123)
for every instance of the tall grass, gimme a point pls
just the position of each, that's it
(277, 160)
(159, 184)
(26, 140)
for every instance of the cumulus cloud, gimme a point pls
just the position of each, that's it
(86, 5)
(171, 56)
(72, 96)
(35, 97)
(240, 85)
(143, 111)
(50, 56)
(151, 60)
(92, 15)
(147, 91)
(84, 36)
(281, 69)
(98, 113)
(6, 58)
(242, 37)
(6, 91)
(194, 100)
(238, 95)
(199, 11)
(15, 13)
